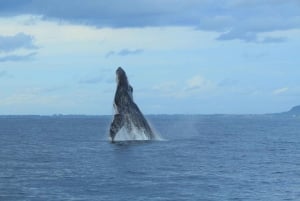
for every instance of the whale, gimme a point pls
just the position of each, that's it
(127, 115)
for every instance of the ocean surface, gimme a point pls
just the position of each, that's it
(203, 157)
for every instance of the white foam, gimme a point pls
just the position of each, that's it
(134, 135)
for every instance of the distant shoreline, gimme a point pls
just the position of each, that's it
(293, 111)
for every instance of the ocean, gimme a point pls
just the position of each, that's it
(202, 157)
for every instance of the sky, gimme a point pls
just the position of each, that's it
(181, 57)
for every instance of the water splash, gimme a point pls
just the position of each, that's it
(135, 134)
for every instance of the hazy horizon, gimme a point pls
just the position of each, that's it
(146, 114)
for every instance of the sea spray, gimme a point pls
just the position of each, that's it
(136, 134)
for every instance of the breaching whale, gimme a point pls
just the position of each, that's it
(127, 114)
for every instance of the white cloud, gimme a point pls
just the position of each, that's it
(124, 52)
(280, 91)
(198, 83)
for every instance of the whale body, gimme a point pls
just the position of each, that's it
(127, 114)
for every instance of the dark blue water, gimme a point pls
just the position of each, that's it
(207, 158)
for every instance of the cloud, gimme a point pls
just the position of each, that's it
(293, 92)
(280, 91)
(274, 40)
(197, 83)
(195, 86)
(246, 36)
(124, 52)
(18, 41)
(17, 58)
(250, 37)
(233, 19)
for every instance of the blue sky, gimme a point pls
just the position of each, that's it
(188, 57)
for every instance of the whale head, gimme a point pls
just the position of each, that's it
(121, 77)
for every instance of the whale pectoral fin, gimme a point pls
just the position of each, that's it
(116, 125)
